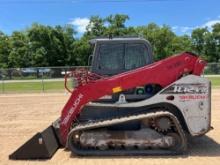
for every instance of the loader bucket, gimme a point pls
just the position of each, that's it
(41, 146)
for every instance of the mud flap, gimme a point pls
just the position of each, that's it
(41, 146)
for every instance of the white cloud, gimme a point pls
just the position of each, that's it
(183, 29)
(188, 29)
(174, 28)
(80, 24)
(210, 23)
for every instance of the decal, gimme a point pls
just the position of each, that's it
(193, 97)
(198, 88)
(72, 109)
(116, 89)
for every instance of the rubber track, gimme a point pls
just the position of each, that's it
(114, 152)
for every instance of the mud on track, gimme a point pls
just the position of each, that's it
(22, 115)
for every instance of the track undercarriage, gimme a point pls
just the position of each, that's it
(159, 133)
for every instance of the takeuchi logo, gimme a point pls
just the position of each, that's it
(189, 89)
(72, 109)
(186, 88)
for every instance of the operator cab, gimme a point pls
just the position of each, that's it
(117, 55)
(112, 56)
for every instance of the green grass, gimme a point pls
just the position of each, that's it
(215, 81)
(22, 87)
(56, 86)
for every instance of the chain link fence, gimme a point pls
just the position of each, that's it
(51, 79)
(41, 79)
(212, 69)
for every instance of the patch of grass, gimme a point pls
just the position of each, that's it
(215, 81)
(22, 87)
(56, 86)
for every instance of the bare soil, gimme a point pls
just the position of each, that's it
(22, 115)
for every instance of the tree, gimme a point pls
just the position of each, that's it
(210, 49)
(180, 44)
(113, 25)
(216, 35)
(4, 50)
(96, 27)
(42, 45)
(19, 55)
(51, 46)
(198, 40)
(160, 38)
(205, 43)
(39, 42)
(116, 25)
(81, 51)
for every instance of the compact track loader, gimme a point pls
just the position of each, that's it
(128, 105)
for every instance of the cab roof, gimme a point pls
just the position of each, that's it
(119, 39)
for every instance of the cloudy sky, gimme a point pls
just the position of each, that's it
(181, 15)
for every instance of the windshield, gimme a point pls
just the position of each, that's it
(111, 56)
(119, 57)
(135, 56)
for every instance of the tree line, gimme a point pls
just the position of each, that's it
(44, 46)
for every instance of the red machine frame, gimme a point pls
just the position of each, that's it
(161, 73)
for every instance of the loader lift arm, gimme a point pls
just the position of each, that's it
(162, 73)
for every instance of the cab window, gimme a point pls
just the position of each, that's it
(135, 56)
(111, 57)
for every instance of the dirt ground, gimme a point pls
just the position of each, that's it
(22, 115)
